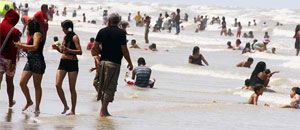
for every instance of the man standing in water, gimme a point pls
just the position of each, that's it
(42, 18)
(177, 21)
(113, 43)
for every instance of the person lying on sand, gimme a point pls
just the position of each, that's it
(246, 64)
(295, 103)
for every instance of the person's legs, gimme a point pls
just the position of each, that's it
(60, 75)
(26, 75)
(177, 28)
(10, 90)
(297, 51)
(146, 37)
(1, 77)
(37, 80)
(72, 83)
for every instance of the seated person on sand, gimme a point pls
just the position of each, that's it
(247, 48)
(229, 33)
(295, 103)
(141, 75)
(152, 47)
(197, 58)
(237, 45)
(258, 90)
(246, 64)
(134, 45)
(229, 46)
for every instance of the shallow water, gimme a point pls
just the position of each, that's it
(184, 94)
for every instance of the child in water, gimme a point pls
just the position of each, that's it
(295, 103)
(229, 46)
(134, 45)
(247, 84)
(246, 64)
(152, 47)
(258, 90)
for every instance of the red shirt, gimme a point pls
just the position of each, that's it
(89, 46)
(10, 20)
(43, 20)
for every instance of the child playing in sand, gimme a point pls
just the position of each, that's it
(258, 90)
(246, 64)
(295, 103)
(134, 45)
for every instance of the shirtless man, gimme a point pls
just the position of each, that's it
(246, 64)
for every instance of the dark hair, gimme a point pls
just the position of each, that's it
(229, 43)
(133, 41)
(250, 59)
(255, 40)
(296, 89)
(152, 46)
(177, 10)
(92, 39)
(247, 82)
(55, 38)
(258, 87)
(260, 67)
(297, 30)
(33, 27)
(268, 71)
(44, 6)
(248, 45)
(239, 41)
(114, 18)
(195, 50)
(26, 5)
(68, 24)
(141, 61)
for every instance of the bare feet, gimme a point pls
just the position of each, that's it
(104, 114)
(65, 110)
(27, 105)
(12, 104)
(37, 113)
(71, 113)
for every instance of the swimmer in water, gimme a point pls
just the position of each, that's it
(295, 103)
(247, 48)
(237, 44)
(258, 91)
(134, 45)
(152, 47)
(246, 64)
(197, 58)
(247, 84)
(229, 46)
(229, 33)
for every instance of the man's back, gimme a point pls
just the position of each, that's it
(111, 38)
(143, 74)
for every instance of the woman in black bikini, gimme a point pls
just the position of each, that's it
(196, 57)
(68, 64)
(259, 76)
(35, 65)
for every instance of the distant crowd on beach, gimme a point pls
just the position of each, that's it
(108, 49)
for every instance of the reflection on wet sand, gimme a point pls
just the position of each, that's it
(105, 124)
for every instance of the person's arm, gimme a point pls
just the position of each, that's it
(190, 59)
(96, 52)
(264, 77)
(127, 56)
(36, 42)
(133, 74)
(273, 73)
(295, 100)
(255, 99)
(78, 50)
(55, 47)
(204, 60)
(240, 64)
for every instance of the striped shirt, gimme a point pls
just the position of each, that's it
(143, 74)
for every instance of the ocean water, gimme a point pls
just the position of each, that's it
(185, 96)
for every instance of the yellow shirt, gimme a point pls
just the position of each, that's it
(138, 18)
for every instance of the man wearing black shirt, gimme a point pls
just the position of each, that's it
(112, 41)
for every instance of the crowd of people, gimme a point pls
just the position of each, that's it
(108, 48)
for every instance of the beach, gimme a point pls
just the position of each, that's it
(185, 96)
